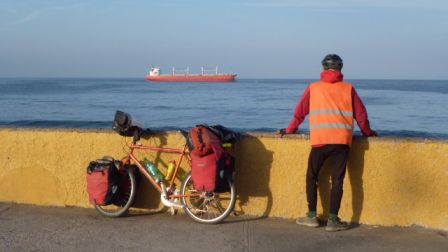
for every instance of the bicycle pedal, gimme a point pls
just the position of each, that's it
(173, 211)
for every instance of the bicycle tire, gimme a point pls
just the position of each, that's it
(125, 195)
(200, 208)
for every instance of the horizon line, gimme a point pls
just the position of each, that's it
(236, 80)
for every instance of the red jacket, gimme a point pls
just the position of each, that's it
(359, 110)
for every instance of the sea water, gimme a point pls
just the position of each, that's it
(395, 107)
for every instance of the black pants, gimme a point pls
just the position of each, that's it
(338, 154)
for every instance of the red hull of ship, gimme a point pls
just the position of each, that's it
(193, 78)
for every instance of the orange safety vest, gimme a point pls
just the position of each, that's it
(331, 113)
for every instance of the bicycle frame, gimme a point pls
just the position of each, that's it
(203, 206)
(182, 154)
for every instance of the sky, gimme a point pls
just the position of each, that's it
(377, 39)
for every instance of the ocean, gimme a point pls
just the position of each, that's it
(411, 108)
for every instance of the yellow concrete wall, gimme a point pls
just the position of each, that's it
(390, 181)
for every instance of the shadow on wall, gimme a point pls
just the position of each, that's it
(252, 177)
(355, 174)
(355, 170)
(147, 196)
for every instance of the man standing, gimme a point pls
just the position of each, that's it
(332, 104)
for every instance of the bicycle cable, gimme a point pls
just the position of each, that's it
(124, 145)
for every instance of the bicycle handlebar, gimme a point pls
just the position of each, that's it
(138, 132)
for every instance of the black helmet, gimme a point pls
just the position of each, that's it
(332, 61)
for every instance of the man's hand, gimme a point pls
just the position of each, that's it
(371, 134)
(281, 132)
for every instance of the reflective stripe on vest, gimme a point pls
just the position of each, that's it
(331, 113)
(331, 126)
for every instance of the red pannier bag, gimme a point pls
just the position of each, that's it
(204, 142)
(102, 181)
(212, 166)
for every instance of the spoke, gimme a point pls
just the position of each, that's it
(219, 206)
(203, 205)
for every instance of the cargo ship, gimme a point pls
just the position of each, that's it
(207, 75)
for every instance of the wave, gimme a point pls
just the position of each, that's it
(56, 124)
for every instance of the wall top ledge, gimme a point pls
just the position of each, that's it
(245, 134)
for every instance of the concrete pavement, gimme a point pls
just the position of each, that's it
(32, 228)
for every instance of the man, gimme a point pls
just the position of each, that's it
(332, 105)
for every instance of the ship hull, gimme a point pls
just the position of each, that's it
(193, 78)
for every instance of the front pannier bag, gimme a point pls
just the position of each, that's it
(212, 165)
(102, 181)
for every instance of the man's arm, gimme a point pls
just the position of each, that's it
(360, 114)
(302, 109)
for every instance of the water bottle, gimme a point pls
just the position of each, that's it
(152, 169)
(170, 171)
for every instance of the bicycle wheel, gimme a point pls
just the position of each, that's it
(124, 198)
(209, 207)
